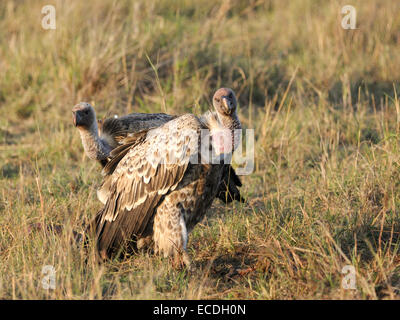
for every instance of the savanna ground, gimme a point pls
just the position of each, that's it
(325, 189)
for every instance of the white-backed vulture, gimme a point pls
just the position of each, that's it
(99, 140)
(159, 184)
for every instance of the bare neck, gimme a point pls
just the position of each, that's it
(95, 148)
(214, 120)
(231, 122)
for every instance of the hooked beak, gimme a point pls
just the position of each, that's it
(227, 105)
(76, 118)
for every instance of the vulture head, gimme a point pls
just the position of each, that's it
(224, 134)
(224, 101)
(83, 115)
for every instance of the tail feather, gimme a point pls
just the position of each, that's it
(228, 189)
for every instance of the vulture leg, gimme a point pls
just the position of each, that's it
(145, 243)
(170, 233)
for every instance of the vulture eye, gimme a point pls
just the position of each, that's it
(217, 99)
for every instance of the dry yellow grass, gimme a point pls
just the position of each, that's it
(323, 101)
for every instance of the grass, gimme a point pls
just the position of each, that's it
(323, 102)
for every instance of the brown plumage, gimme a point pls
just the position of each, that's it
(99, 139)
(155, 190)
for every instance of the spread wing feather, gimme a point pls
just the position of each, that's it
(120, 133)
(138, 177)
(118, 153)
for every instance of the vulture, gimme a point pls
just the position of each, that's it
(160, 182)
(100, 138)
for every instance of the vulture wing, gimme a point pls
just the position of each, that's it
(141, 172)
(113, 130)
